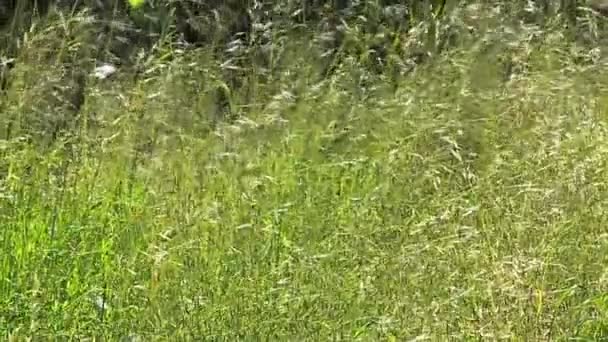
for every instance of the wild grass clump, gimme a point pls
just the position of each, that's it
(464, 199)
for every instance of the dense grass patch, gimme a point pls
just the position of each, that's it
(469, 203)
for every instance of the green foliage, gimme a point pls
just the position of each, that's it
(454, 188)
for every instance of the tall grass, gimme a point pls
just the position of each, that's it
(465, 201)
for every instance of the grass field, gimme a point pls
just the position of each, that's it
(470, 203)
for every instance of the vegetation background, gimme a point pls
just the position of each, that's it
(303, 170)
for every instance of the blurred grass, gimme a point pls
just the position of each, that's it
(468, 203)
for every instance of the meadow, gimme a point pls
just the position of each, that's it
(466, 199)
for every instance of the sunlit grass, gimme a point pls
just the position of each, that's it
(465, 205)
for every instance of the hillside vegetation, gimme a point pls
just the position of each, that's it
(460, 196)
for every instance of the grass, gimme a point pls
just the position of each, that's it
(462, 206)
